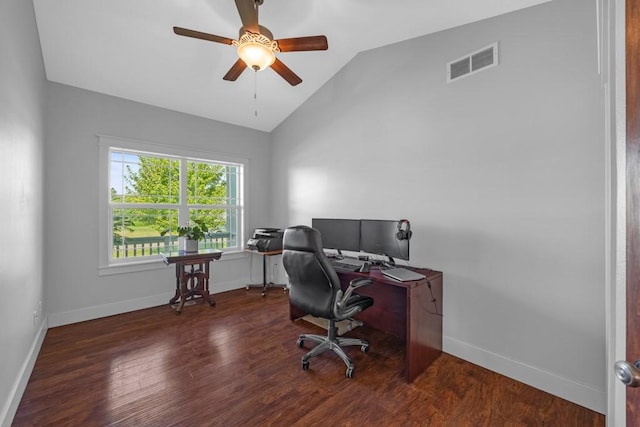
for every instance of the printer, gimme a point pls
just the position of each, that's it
(266, 240)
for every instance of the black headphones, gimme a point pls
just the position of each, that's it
(403, 232)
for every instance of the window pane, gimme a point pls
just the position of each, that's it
(138, 178)
(212, 184)
(223, 227)
(139, 232)
(233, 187)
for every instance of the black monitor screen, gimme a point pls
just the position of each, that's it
(379, 237)
(341, 234)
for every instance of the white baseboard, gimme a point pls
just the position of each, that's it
(11, 405)
(97, 311)
(567, 389)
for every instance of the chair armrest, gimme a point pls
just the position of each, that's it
(354, 284)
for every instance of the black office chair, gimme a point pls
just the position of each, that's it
(315, 289)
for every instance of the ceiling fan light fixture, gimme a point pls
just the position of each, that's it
(256, 50)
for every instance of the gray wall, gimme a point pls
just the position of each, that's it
(21, 146)
(502, 175)
(75, 290)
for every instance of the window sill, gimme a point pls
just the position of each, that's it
(153, 264)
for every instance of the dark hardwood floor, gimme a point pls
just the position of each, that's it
(237, 364)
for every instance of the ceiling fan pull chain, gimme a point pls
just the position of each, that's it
(255, 92)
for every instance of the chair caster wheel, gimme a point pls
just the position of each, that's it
(305, 366)
(300, 343)
(349, 372)
(365, 348)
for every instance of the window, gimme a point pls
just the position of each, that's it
(151, 190)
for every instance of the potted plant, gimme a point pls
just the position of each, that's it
(190, 234)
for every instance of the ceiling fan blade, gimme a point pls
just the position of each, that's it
(298, 44)
(286, 73)
(249, 15)
(203, 36)
(235, 71)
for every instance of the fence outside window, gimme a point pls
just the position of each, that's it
(146, 246)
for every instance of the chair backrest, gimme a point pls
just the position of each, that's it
(313, 281)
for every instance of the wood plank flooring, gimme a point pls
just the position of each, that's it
(237, 364)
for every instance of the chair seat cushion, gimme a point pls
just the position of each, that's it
(354, 305)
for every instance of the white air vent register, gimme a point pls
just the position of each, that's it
(475, 62)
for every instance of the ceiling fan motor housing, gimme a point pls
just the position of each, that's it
(257, 50)
(263, 30)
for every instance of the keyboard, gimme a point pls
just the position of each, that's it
(346, 264)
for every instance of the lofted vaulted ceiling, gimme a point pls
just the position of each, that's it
(128, 49)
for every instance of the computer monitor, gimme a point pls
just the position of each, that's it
(339, 234)
(379, 237)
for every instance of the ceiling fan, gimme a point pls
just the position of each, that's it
(256, 46)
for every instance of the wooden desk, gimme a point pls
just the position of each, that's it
(193, 280)
(264, 255)
(411, 311)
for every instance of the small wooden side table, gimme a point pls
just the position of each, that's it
(265, 284)
(192, 274)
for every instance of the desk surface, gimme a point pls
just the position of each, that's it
(267, 253)
(376, 274)
(183, 256)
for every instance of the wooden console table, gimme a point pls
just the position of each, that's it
(411, 311)
(192, 274)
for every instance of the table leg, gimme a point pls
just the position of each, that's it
(184, 279)
(194, 282)
(265, 284)
(264, 275)
(177, 295)
(205, 286)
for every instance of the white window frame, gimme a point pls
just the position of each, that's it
(106, 265)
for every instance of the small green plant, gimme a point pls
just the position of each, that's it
(196, 230)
